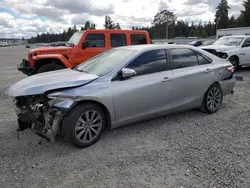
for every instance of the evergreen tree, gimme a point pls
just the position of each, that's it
(241, 21)
(108, 23)
(246, 12)
(92, 26)
(87, 25)
(117, 26)
(221, 16)
(232, 22)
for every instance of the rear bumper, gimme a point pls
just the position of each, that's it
(25, 68)
(227, 86)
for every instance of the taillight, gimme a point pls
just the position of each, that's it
(230, 69)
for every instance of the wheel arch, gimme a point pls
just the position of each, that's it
(39, 63)
(216, 82)
(101, 105)
(48, 58)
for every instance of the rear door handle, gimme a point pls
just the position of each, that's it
(166, 79)
(208, 70)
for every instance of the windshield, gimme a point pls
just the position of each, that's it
(106, 61)
(76, 37)
(229, 41)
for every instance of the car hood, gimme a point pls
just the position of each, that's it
(40, 83)
(219, 48)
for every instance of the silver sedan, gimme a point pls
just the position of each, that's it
(118, 87)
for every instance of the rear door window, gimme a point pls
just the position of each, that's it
(95, 40)
(137, 39)
(117, 40)
(182, 58)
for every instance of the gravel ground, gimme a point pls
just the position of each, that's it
(189, 149)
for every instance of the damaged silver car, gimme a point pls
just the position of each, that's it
(118, 87)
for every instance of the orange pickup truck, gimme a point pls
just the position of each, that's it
(81, 46)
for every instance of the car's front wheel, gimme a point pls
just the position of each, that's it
(83, 125)
(235, 62)
(212, 99)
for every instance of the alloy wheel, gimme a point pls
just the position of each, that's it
(214, 98)
(88, 126)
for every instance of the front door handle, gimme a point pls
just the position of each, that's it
(166, 79)
(208, 70)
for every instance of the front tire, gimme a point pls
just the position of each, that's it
(212, 99)
(49, 67)
(83, 125)
(235, 62)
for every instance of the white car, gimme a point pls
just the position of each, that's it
(236, 49)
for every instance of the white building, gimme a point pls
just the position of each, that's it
(232, 31)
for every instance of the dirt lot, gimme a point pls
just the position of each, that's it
(190, 149)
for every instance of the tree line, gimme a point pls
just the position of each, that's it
(165, 24)
(65, 35)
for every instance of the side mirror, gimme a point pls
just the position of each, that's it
(127, 73)
(85, 44)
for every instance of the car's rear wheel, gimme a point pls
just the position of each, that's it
(235, 62)
(83, 125)
(212, 99)
(49, 67)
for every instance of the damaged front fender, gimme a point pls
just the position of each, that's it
(61, 101)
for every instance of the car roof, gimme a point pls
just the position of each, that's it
(236, 36)
(114, 31)
(145, 47)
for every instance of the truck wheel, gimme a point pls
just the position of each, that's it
(235, 62)
(49, 67)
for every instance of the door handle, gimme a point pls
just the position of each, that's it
(166, 79)
(208, 70)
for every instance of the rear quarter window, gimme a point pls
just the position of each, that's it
(137, 39)
(203, 60)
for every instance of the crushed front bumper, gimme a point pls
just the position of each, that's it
(47, 129)
(25, 68)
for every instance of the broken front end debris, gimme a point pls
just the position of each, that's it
(38, 114)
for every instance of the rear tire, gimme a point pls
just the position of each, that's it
(49, 67)
(83, 125)
(212, 99)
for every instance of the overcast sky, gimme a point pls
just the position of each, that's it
(24, 18)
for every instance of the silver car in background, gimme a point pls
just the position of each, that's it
(119, 87)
